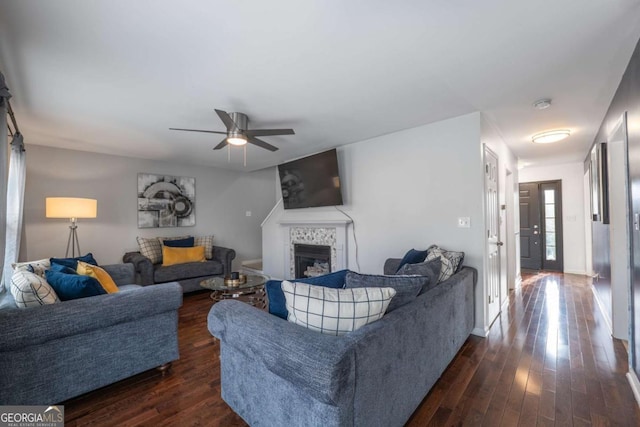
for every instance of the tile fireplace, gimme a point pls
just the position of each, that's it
(324, 245)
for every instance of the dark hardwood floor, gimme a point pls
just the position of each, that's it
(548, 360)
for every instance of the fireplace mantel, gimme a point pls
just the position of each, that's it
(329, 232)
(315, 223)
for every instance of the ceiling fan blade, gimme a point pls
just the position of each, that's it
(226, 119)
(222, 144)
(267, 132)
(261, 144)
(200, 130)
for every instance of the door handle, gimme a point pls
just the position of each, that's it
(500, 243)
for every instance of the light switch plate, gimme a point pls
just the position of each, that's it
(464, 222)
(248, 213)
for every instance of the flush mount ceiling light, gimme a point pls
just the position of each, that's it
(551, 136)
(542, 104)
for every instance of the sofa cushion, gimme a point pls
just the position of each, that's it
(99, 274)
(31, 290)
(38, 267)
(73, 286)
(179, 243)
(173, 256)
(412, 256)
(73, 262)
(277, 302)
(150, 248)
(334, 311)
(407, 287)
(207, 242)
(430, 269)
(189, 270)
(451, 261)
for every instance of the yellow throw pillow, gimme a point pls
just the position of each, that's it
(99, 274)
(172, 256)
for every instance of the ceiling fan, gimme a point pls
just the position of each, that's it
(238, 133)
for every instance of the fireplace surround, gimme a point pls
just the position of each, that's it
(329, 233)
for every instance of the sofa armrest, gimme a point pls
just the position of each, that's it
(225, 256)
(34, 326)
(122, 274)
(391, 265)
(321, 365)
(142, 265)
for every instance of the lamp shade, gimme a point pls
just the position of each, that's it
(71, 207)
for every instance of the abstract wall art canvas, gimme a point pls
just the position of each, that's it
(166, 201)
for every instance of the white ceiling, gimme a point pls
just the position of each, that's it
(112, 76)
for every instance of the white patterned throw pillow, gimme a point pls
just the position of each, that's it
(38, 267)
(207, 242)
(151, 248)
(451, 260)
(31, 290)
(334, 311)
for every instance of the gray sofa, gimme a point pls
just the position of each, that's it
(54, 352)
(274, 372)
(188, 275)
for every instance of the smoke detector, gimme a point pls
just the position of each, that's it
(542, 104)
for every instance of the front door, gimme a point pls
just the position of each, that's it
(530, 249)
(541, 226)
(493, 243)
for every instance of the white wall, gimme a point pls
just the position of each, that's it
(222, 199)
(405, 190)
(572, 177)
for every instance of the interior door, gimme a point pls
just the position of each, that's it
(530, 249)
(493, 243)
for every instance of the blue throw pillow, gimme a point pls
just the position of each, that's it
(59, 268)
(73, 286)
(180, 243)
(73, 262)
(277, 302)
(407, 287)
(413, 256)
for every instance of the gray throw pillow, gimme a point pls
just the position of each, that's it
(429, 269)
(407, 287)
(451, 261)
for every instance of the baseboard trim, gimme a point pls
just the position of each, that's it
(578, 272)
(603, 310)
(518, 281)
(480, 332)
(635, 385)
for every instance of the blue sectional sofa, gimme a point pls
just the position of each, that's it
(274, 372)
(54, 352)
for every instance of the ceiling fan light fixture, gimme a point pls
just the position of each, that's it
(237, 140)
(551, 136)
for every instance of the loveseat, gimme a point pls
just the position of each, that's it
(274, 372)
(54, 352)
(188, 275)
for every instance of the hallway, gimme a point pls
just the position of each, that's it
(549, 359)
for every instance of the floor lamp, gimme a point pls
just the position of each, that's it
(72, 208)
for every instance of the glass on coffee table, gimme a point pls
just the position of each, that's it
(252, 288)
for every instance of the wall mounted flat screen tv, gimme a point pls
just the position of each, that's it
(311, 181)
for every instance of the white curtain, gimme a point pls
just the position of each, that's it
(15, 204)
(4, 149)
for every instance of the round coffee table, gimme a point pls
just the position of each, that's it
(253, 286)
